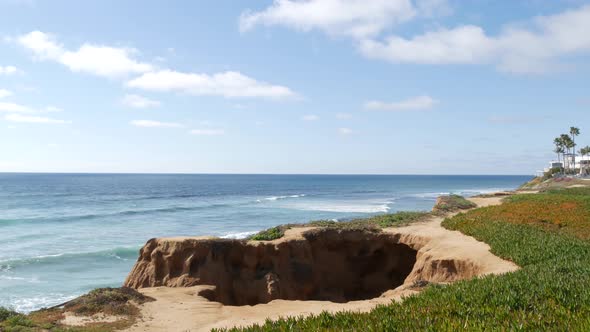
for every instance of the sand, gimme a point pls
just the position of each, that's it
(181, 309)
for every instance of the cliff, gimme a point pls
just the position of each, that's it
(336, 265)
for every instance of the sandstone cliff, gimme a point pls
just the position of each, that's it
(314, 264)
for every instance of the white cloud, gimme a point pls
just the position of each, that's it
(41, 44)
(33, 119)
(207, 132)
(117, 62)
(14, 108)
(531, 48)
(18, 108)
(345, 131)
(535, 46)
(310, 117)
(356, 18)
(137, 101)
(5, 93)
(343, 116)
(8, 70)
(103, 61)
(419, 103)
(228, 84)
(467, 44)
(155, 124)
(52, 109)
(89, 58)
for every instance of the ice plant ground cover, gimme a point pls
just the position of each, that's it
(546, 234)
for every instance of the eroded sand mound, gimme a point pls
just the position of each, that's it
(323, 264)
(331, 270)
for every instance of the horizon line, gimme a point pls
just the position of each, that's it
(229, 173)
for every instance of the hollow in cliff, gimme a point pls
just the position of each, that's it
(325, 264)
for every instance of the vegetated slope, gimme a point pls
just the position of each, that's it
(546, 234)
(102, 301)
(375, 223)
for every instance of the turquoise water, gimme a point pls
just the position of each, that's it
(62, 235)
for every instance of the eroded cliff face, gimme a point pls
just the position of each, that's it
(320, 264)
(335, 265)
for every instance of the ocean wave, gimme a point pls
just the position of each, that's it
(473, 192)
(462, 192)
(431, 195)
(344, 208)
(32, 280)
(276, 198)
(238, 235)
(92, 216)
(125, 254)
(28, 304)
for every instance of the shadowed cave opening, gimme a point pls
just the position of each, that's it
(329, 265)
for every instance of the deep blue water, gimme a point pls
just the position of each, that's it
(62, 235)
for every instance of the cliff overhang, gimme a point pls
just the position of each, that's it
(336, 265)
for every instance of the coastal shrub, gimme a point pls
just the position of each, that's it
(551, 291)
(269, 234)
(371, 224)
(18, 321)
(451, 203)
(6, 313)
(112, 301)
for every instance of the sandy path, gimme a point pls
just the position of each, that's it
(181, 309)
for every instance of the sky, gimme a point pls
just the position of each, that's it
(290, 86)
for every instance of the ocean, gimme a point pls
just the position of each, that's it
(62, 235)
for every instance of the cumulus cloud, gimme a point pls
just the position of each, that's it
(5, 93)
(137, 101)
(419, 103)
(207, 132)
(99, 60)
(310, 117)
(356, 18)
(33, 119)
(113, 62)
(533, 48)
(228, 84)
(8, 70)
(155, 124)
(538, 45)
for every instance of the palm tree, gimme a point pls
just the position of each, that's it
(569, 144)
(574, 132)
(566, 141)
(558, 149)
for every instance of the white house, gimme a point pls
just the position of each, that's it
(582, 164)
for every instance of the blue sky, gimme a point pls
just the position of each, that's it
(318, 86)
